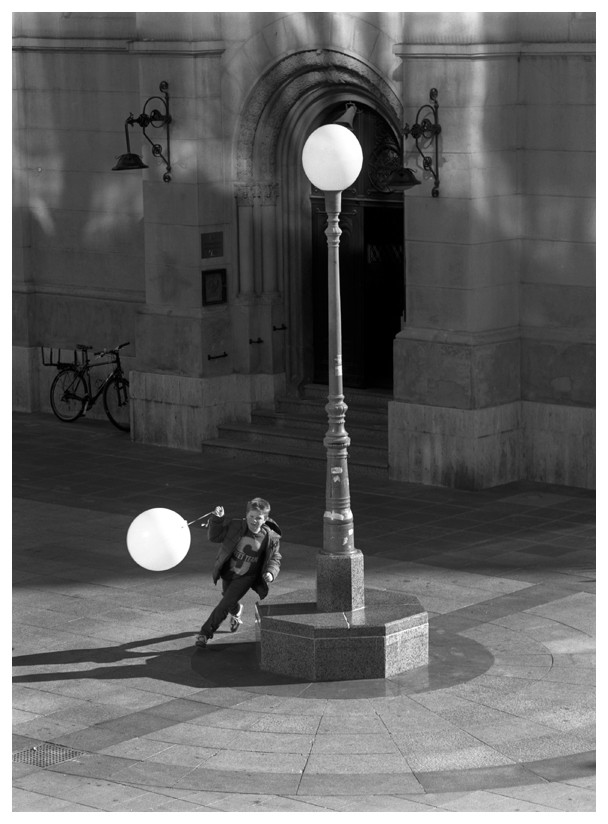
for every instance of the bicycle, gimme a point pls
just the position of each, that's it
(72, 394)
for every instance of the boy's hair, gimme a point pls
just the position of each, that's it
(258, 503)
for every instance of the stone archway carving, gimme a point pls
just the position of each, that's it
(284, 85)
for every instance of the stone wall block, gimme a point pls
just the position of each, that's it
(569, 79)
(53, 187)
(473, 310)
(458, 265)
(558, 372)
(563, 219)
(479, 176)
(343, 28)
(383, 57)
(476, 27)
(467, 449)
(563, 264)
(496, 374)
(78, 109)
(181, 412)
(452, 218)
(172, 285)
(433, 373)
(83, 72)
(169, 343)
(557, 306)
(171, 203)
(559, 444)
(557, 128)
(210, 155)
(467, 133)
(64, 321)
(26, 390)
(105, 24)
(457, 376)
(202, 120)
(462, 84)
(366, 37)
(493, 307)
(85, 150)
(559, 173)
(68, 270)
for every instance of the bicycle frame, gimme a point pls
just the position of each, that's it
(84, 371)
(73, 393)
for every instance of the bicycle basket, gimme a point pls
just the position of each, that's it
(58, 358)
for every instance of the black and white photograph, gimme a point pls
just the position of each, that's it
(303, 411)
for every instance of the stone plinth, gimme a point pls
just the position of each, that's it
(340, 582)
(388, 636)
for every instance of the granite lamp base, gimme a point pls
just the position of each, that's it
(388, 636)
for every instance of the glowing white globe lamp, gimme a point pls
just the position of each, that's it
(332, 158)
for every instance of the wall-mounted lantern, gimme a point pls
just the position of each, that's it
(157, 119)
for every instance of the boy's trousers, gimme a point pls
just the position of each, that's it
(232, 592)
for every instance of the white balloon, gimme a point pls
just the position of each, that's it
(158, 539)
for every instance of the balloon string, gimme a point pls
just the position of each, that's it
(201, 518)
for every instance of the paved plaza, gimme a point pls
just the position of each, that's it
(114, 709)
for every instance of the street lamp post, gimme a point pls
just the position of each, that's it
(344, 634)
(332, 160)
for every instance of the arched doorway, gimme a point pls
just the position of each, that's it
(371, 261)
(274, 204)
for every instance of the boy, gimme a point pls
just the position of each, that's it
(248, 558)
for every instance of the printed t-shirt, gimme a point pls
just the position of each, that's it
(247, 555)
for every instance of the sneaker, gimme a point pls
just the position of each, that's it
(235, 620)
(201, 640)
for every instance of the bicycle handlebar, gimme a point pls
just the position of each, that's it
(110, 351)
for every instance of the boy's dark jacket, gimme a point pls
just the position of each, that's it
(229, 532)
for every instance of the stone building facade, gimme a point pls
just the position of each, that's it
(488, 355)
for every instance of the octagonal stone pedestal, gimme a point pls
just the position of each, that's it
(387, 636)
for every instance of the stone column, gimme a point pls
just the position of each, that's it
(456, 416)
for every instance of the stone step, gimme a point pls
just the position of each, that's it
(299, 439)
(314, 408)
(287, 455)
(355, 398)
(364, 433)
(293, 431)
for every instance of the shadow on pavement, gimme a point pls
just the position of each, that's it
(453, 659)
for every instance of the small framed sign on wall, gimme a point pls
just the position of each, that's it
(212, 244)
(214, 287)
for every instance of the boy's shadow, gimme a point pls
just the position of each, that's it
(453, 659)
(236, 666)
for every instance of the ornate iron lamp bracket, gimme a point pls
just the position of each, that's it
(157, 119)
(427, 128)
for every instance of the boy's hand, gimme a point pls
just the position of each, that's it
(219, 511)
(268, 577)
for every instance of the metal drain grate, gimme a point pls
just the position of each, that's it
(45, 755)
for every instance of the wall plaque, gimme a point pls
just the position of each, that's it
(212, 244)
(214, 287)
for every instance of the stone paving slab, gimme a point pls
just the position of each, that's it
(104, 662)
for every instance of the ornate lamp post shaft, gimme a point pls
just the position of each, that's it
(332, 159)
(338, 532)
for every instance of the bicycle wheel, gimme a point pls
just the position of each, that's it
(68, 395)
(116, 402)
